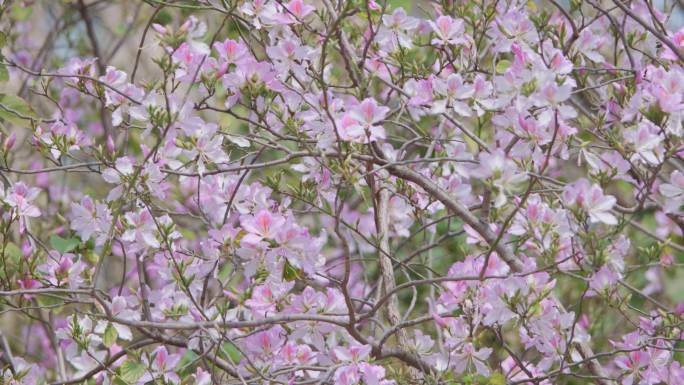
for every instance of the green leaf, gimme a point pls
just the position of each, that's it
(497, 379)
(131, 371)
(13, 252)
(12, 258)
(3, 39)
(187, 364)
(21, 12)
(163, 18)
(110, 335)
(290, 272)
(15, 109)
(4, 74)
(232, 352)
(64, 245)
(50, 301)
(502, 66)
(406, 4)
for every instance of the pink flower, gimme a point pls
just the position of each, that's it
(646, 139)
(252, 72)
(161, 367)
(399, 20)
(347, 375)
(632, 364)
(28, 283)
(61, 269)
(19, 198)
(553, 95)
(61, 138)
(591, 199)
(397, 29)
(293, 354)
(89, 218)
(350, 130)
(678, 40)
(362, 121)
(503, 172)
(79, 66)
(142, 230)
(266, 297)
(358, 369)
(261, 12)
(604, 280)
(262, 225)
(373, 374)
(299, 8)
(267, 344)
(189, 57)
(453, 90)
(206, 146)
(368, 112)
(513, 27)
(448, 30)
(516, 373)
(470, 357)
(354, 353)
(113, 77)
(202, 377)
(560, 64)
(231, 51)
(674, 192)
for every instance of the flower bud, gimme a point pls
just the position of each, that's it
(9, 142)
(159, 28)
(679, 309)
(111, 147)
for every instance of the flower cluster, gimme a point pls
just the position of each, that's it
(341, 192)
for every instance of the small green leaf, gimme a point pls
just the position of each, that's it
(497, 379)
(64, 245)
(3, 39)
(232, 352)
(187, 364)
(502, 66)
(12, 258)
(406, 4)
(131, 371)
(163, 18)
(15, 109)
(13, 252)
(110, 335)
(290, 272)
(50, 301)
(20, 12)
(4, 74)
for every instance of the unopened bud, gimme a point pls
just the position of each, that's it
(26, 249)
(679, 309)
(111, 147)
(9, 142)
(159, 28)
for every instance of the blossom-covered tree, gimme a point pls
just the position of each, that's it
(341, 192)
